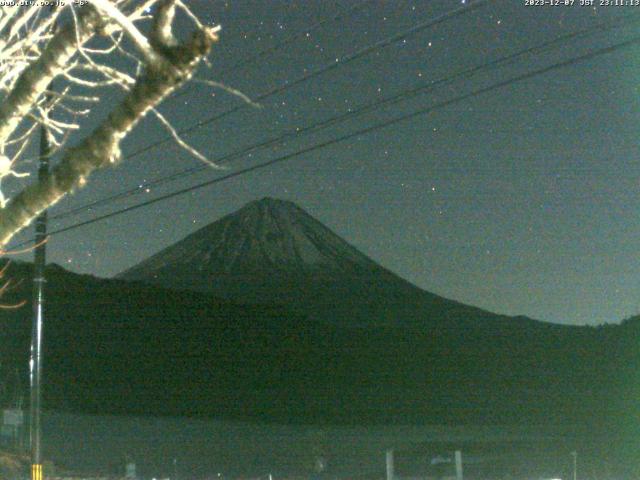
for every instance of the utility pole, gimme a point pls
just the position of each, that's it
(574, 454)
(35, 363)
(39, 263)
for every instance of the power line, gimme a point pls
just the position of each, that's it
(341, 62)
(344, 60)
(399, 97)
(364, 131)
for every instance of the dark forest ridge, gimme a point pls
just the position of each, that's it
(183, 352)
(116, 347)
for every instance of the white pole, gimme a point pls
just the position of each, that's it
(390, 473)
(458, 465)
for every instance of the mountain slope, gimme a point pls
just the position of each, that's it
(264, 237)
(273, 251)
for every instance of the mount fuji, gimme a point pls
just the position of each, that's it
(272, 251)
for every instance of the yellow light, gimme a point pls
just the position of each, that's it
(36, 471)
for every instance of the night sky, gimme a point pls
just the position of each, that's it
(522, 200)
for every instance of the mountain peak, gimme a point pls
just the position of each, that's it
(273, 251)
(273, 202)
(266, 239)
(272, 206)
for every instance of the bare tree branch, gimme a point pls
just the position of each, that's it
(36, 78)
(167, 69)
(128, 27)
